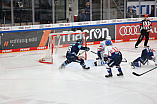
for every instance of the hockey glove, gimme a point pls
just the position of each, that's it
(155, 65)
(105, 57)
(79, 58)
(87, 49)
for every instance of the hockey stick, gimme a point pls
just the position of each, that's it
(143, 73)
(122, 60)
(93, 52)
(81, 53)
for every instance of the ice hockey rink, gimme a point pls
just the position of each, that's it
(23, 80)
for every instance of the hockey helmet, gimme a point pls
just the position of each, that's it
(80, 41)
(146, 15)
(108, 38)
(108, 42)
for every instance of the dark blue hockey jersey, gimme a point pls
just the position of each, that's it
(74, 49)
(149, 53)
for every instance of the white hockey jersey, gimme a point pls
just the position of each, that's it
(109, 50)
(102, 46)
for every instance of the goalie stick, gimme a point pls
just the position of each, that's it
(143, 73)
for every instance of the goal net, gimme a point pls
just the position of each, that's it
(58, 44)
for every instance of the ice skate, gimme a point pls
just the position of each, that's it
(62, 66)
(146, 46)
(84, 67)
(109, 75)
(95, 63)
(120, 74)
(132, 65)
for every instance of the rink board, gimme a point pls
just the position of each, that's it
(16, 41)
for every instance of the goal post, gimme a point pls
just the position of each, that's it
(62, 40)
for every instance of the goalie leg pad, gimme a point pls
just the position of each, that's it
(100, 63)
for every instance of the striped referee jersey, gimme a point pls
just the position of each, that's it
(145, 25)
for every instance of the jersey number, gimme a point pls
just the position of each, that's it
(115, 49)
(69, 49)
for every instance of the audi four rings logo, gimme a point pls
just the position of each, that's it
(128, 30)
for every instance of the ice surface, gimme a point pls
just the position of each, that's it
(23, 80)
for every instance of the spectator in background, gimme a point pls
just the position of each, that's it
(81, 16)
(131, 13)
(152, 11)
(87, 11)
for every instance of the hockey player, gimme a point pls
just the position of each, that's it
(114, 57)
(101, 48)
(147, 54)
(72, 52)
(100, 52)
(145, 27)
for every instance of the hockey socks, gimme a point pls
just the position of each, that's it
(110, 73)
(120, 71)
(64, 64)
(84, 66)
(109, 70)
(137, 64)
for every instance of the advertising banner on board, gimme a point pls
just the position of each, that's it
(94, 33)
(128, 32)
(20, 39)
(28, 39)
